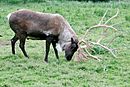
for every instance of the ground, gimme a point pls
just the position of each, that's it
(17, 71)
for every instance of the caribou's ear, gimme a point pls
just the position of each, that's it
(72, 40)
(76, 41)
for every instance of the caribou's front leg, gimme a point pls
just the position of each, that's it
(48, 43)
(49, 40)
(56, 52)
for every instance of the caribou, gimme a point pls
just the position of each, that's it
(53, 28)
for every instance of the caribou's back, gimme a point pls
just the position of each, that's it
(31, 22)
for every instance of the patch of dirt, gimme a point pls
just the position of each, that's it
(4, 42)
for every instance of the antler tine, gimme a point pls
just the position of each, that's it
(84, 45)
(113, 16)
(103, 17)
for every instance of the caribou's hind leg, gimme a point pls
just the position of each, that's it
(22, 43)
(13, 41)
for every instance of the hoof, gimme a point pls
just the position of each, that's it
(45, 61)
(27, 57)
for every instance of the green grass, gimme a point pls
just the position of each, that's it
(17, 71)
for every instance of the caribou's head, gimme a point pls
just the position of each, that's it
(70, 49)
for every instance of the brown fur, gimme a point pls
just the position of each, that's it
(26, 19)
(44, 26)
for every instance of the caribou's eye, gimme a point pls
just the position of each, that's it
(73, 47)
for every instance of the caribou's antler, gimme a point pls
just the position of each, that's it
(104, 25)
(84, 45)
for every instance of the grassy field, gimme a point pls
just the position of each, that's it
(17, 71)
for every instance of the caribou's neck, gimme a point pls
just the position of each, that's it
(65, 38)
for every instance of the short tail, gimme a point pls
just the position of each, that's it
(8, 16)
